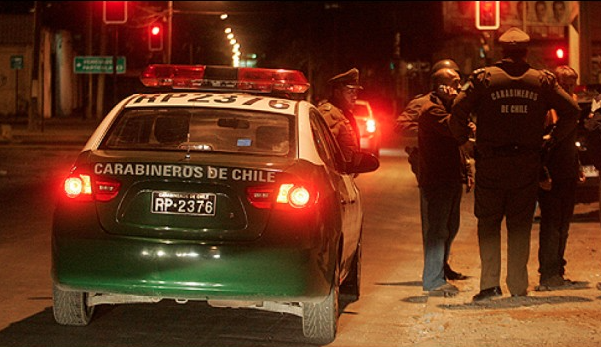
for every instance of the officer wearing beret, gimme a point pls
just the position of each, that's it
(337, 110)
(510, 100)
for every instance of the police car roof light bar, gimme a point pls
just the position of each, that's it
(207, 77)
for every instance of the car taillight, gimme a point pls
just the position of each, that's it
(78, 186)
(287, 195)
(260, 197)
(81, 187)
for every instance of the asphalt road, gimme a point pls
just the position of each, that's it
(392, 310)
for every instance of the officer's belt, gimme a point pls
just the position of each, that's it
(505, 151)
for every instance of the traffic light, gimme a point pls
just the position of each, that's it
(560, 55)
(155, 37)
(114, 12)
(488, 15)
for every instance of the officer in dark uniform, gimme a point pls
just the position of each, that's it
(406, 125)
(440, 180)
(337, 110)
(510, 101)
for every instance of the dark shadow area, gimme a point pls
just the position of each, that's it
(163, 324)
(407, 284)
(416, 299)
(515, 302)
(573, 285)
(591, 216)
(511, 302)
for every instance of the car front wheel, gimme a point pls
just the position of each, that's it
(70, 307)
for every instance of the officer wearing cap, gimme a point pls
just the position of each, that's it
(510, 100)
(337, 110)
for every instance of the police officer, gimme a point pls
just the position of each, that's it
(440, 180)
(557, 195)
(406, 122)
(337, 110)
(510, 101)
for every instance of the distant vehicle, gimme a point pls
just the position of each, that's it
(226, 187)
(369, 127)
(589, 149)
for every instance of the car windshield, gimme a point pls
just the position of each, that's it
(208, 130)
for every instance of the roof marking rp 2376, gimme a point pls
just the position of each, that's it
(243, 100)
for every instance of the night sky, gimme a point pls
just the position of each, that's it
(361, 31)
(320, 38)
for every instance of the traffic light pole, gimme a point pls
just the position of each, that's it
(115, 53)
(169, 28)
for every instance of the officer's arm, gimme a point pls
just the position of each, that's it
(568, 113)
(406, 122)
(460, 118)
(332, 121)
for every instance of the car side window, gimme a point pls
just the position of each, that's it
(326, 145)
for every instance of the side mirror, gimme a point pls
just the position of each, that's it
(363, 162)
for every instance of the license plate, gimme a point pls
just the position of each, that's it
(590, 171)
(196, 204)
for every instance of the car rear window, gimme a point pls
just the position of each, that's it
(208, 130)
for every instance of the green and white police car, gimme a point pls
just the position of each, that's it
(227, 188)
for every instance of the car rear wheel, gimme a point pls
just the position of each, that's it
(70, 307)
(320, 320)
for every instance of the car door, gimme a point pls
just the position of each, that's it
(350, 202)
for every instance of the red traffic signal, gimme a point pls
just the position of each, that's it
(488, 16)
(155, 37)
(114, 12)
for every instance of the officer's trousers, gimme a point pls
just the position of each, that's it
(517, 206)
(556, 210)
(440, 216)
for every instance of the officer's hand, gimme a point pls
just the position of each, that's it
(469, 184)
(446, 92)
(581, 175)
(546, 184)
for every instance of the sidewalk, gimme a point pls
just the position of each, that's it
(58, 131)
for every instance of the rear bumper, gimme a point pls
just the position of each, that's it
(188, 271)
(288, 266)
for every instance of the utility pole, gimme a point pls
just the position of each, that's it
(34, 120)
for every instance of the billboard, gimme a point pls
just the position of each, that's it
(540, 19)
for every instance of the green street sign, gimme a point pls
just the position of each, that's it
(16, 62)
(98, 64)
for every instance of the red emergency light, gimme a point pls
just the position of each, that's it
(212, 78)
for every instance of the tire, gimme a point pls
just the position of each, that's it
(351, 286)
(70, 307)
(320, 320)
